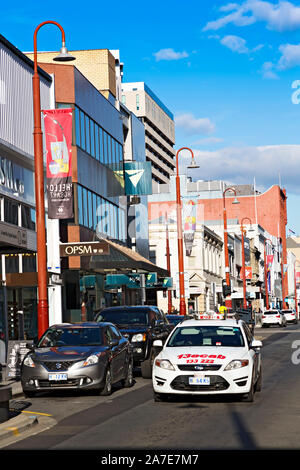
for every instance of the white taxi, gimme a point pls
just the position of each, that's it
(210, 356)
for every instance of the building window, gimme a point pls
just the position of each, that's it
(28, 217)
(137, 101)
(11, 212)
(124, 99)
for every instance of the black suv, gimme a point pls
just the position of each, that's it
(141, 325)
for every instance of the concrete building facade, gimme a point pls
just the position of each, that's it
(159, 128)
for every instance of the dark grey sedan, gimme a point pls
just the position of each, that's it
(78, 356)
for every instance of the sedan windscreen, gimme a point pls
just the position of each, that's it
(72, 337)
(124, 317)
(206, 336)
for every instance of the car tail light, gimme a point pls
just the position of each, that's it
(263, 316)
(277, 316)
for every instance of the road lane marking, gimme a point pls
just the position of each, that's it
(14, 430)
(35, 413)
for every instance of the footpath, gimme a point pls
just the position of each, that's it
(18, 421)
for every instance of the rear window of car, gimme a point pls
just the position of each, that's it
(272, 312)
(124, 317)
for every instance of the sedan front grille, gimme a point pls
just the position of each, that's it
(58, 365)
(197, 367)
(181, 383)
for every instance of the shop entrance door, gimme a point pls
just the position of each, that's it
(22, 313)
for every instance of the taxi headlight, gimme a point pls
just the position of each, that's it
(28, 361)
(138, 338)
(164, 364)
(237, 364)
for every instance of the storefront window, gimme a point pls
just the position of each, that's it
(11, 212)
(28, 217)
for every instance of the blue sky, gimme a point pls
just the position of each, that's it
(226, 70)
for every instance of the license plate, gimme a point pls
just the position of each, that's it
(199, 380)
(58, 377)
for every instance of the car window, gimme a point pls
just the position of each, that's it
(206, 336)
(73, 336)
(124, 317)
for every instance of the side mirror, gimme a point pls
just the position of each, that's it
(256, 344)
(158, 343)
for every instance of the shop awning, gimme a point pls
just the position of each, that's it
(125, 259)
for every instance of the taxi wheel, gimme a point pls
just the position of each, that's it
(258, 385)
(249, 397)
(107, 389)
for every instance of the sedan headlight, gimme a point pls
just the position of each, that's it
(93, 359)
(237, 364)
(138, 338)
(164, 364)
(28, 361)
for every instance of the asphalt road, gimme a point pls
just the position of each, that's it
(130, 419)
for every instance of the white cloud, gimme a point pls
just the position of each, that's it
(235, 43)
(169, 54)
(240, 165)
(282, 16)
(192, 125)
(268, 71)
(290, 56)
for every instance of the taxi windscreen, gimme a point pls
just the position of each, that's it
(226, 336)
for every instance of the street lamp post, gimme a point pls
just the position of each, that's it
(168, 264)
(43, 308)
(182, 306)
(243, 231)
(295, 284)
(227, 270)
(266, 273)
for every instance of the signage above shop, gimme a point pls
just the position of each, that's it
(84, 249)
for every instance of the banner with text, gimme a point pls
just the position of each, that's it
(58, 137)
(189, 223)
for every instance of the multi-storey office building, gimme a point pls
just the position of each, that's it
(18, 291)
(159, 128)
(100, 202)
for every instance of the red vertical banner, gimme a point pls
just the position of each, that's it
(58, 138)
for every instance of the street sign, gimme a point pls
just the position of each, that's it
(84, 249)
(151, 280)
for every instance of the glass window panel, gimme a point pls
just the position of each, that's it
(105, 218)
(82, 130)
(77, 126)
(80, 208)
(85, 207)
(11, 212)
(92, 126)
(28, 217)
(97, 149)
(109, 155)
(87, 135)
(101, 145)
(99, 217)
(105, 147)
(94, 211)
(90, 204)
(113, 151)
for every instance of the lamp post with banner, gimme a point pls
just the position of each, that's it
(182, 305)
(226, 254)
(43, 308)
(266, 272)
(295, 284)
(243, 232)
